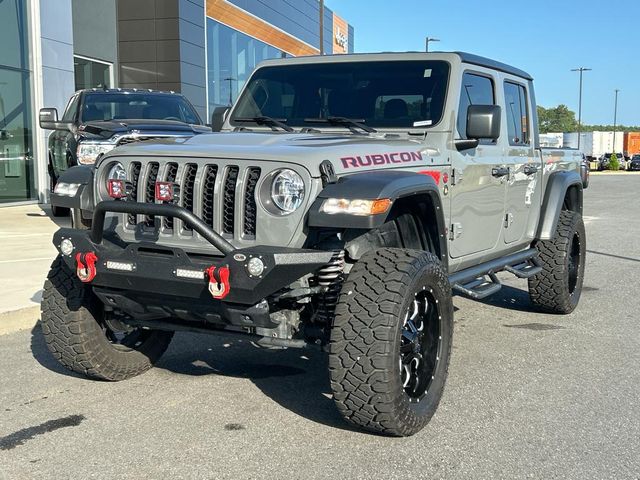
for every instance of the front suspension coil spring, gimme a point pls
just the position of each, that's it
(328, 274)
(331, 277)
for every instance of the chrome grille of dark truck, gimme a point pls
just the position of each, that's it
(209, 190)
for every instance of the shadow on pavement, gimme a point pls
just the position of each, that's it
(510, 298)
(45, 212)
(297, 380)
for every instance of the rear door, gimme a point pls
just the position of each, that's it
(477, 194)
(525, 167)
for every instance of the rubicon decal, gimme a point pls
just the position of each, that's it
(381, 159)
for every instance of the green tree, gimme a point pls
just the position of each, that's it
(614, 164)
(557, 119)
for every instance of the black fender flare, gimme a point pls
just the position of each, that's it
(394, 185)
(556, 190)
(83, 199)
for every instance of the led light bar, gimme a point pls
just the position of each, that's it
(122, 266)
(184, 273)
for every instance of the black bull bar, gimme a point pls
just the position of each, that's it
(156, 273)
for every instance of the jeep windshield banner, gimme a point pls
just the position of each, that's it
(380, 159)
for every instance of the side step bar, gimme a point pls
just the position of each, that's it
(481, 281)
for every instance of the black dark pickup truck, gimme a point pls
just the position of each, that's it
(96, 121)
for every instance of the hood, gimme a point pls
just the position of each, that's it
(106, 129)
(348, 153)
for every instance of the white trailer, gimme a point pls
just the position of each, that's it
(595, 144)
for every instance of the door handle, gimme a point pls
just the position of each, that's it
(500, 172)
(530, 169)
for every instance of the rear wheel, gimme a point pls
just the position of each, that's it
(558, 287)
(83, 339)
(391, 341)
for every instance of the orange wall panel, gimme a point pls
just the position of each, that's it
(234, 17)
(340, 35)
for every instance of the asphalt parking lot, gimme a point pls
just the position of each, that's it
(529, 395)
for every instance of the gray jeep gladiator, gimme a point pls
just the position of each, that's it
(345, 200)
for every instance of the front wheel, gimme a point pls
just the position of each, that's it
(84, 339)
(391, 341)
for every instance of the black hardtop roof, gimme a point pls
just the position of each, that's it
(487, 62)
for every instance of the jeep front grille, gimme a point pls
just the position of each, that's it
(150, 190)
(220, 194)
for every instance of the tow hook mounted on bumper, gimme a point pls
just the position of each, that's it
(149, 268)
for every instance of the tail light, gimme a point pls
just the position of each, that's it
(117, 188)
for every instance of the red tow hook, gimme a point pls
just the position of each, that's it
(219, 286)
(86, 266)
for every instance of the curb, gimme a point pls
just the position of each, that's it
(619, 172)
(17, 320)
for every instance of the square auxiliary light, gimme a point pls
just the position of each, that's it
(117, 188)
(165, 191)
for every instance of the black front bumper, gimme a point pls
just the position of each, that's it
(153, 288)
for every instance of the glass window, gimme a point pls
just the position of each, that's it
(517, 113)
(476, 90)
(231, 58)
(13, 34)
(91, 73)
(16, 155)
(384, 94)
(70, 111)
(119, 106)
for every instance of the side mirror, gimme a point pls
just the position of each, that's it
(48, 120)
(483, 122)
(218, 117)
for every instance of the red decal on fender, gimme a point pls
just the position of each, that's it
(435, 174)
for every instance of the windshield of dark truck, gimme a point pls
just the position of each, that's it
(125, 105)
(385, 94)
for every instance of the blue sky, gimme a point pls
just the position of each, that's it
(546, 38)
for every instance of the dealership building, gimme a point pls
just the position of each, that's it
(205, 49)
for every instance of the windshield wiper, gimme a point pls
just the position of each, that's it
(274, 123)
(351, 123)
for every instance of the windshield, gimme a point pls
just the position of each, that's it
(122, 106)
(385, 94)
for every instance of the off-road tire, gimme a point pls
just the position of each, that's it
(556, 289)
(364, 362)
(70, 321)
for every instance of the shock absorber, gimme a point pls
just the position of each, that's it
(330, 276)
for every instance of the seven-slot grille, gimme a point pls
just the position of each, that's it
(210, 191)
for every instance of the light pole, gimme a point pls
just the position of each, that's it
(615, 119)
(321, 21)
(428, 40)
(581, 70)
(230, 80)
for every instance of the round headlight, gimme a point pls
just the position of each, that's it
(117, 172)
(287, 190)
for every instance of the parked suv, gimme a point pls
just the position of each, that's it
(634, 163)
(97, 120)
(345, 200)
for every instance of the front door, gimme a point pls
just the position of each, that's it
(478, 187)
